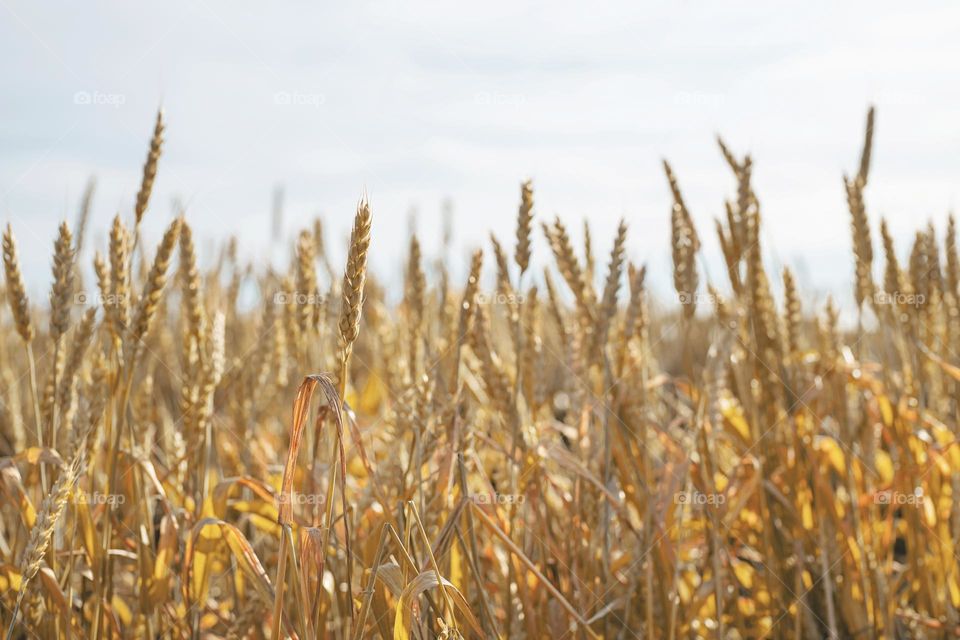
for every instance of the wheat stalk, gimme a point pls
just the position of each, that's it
(78, 349)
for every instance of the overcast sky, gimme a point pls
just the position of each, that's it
(416, 102)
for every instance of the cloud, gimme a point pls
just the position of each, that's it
(420, 101)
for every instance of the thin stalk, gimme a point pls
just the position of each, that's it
(35, 403)
(279, 588)
(448, 602)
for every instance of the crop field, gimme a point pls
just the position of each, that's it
(513, 446)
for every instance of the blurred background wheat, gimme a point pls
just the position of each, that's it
(546, 457)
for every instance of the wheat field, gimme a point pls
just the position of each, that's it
(552, 457)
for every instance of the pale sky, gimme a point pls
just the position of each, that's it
(419, 101)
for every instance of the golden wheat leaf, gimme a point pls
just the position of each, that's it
(166, 552)
(301, 408)
(10, 578)
(224, 489)
(687, 586)
(391, 575)
(458, 567)
(205, 536)
(833, 453)
(86, 525)
(805, 496)
(884, 466)
(886, 410)
(929, 512)
(949, 369)
(744, 491)
(121, 610)
(36, 455)
(257, 507)
(423, 582)
(733, 418)
(953, 454)
(372, 395)
(52, 588)
(14, 483)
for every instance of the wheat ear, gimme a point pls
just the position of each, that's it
(862, 245)
(952, 277)
(307, 289)
(354, 277)
(416, 293)
(16, 291)
(467, 305)
(117, 304)
(41, 534)
(150, 168)
(153, 288)
(608, 303)
(191, 285)
(864, 170)
(84, 216)
(63, 281)
(792, 312)
(524, 226)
